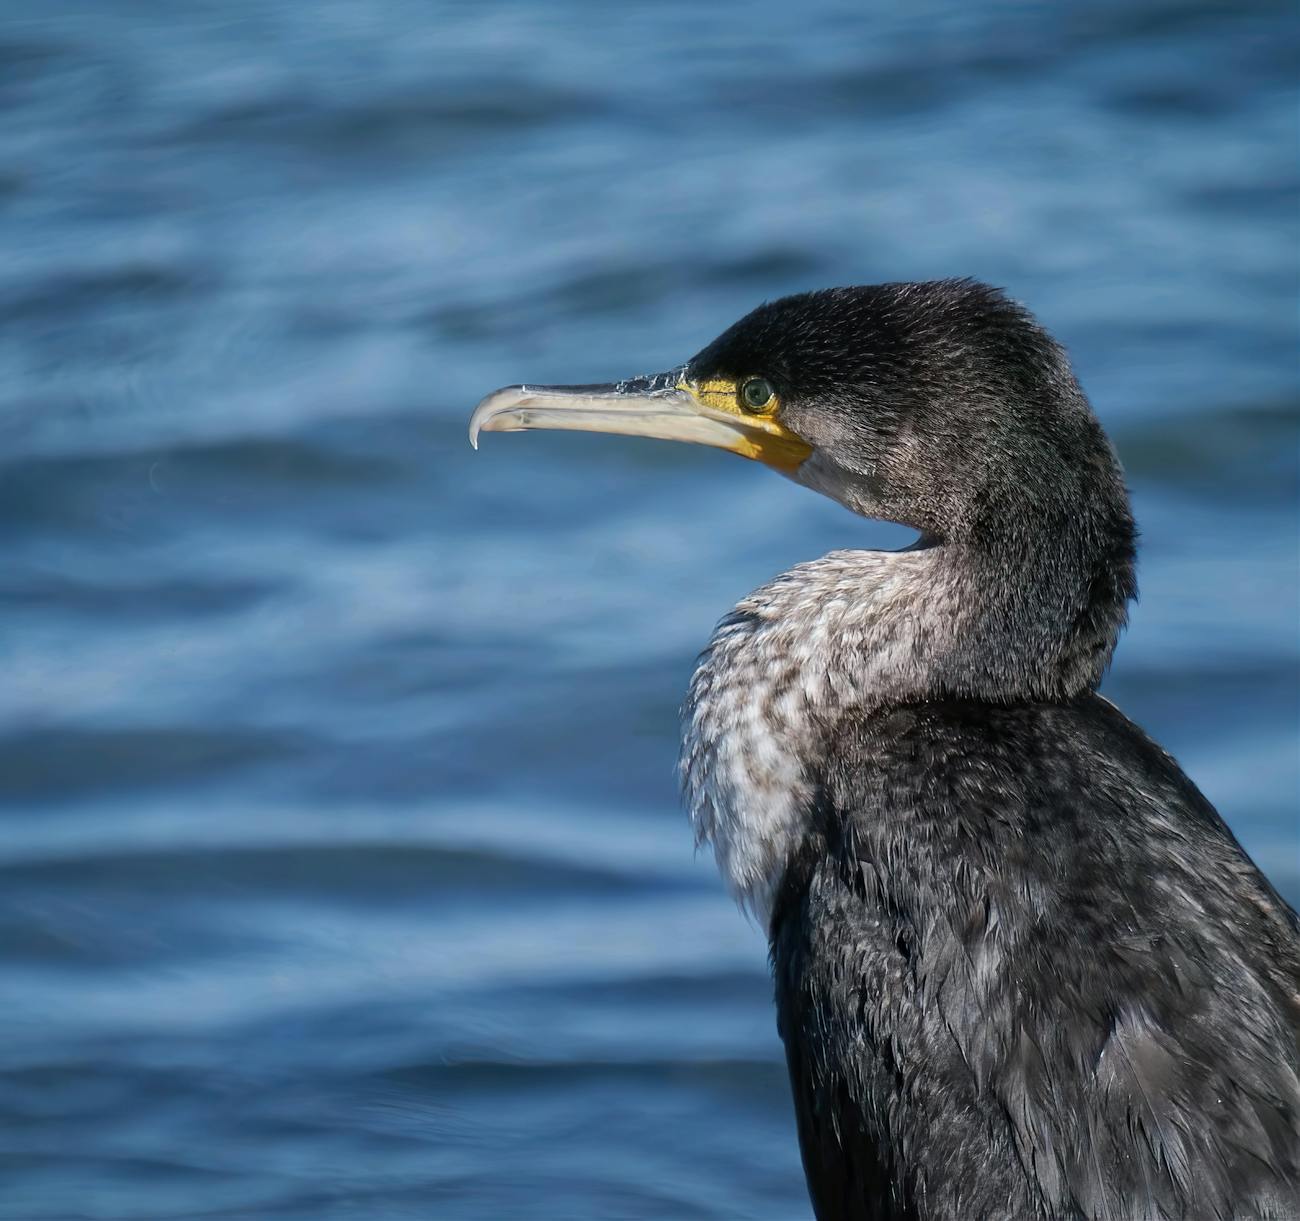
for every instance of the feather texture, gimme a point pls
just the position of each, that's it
(1024, 970)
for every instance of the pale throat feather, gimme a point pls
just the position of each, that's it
(854, 629)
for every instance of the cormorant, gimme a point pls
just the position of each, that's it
(1023, 969)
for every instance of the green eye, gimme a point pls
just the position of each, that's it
(756, 394)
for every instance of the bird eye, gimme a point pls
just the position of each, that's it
(756, 394)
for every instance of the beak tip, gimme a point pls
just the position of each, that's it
(486, 412)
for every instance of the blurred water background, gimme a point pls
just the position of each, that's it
(341, 870)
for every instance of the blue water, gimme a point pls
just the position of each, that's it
(341, 868)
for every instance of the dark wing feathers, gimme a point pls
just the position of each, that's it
(1023, 969)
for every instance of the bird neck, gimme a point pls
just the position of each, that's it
(858, 630)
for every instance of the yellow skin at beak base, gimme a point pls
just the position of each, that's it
(760, 436)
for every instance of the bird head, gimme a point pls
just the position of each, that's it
(942, 406)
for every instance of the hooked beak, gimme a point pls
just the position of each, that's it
(667, 406)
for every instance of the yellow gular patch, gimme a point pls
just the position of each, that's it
(723, 394)
(760, 435)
